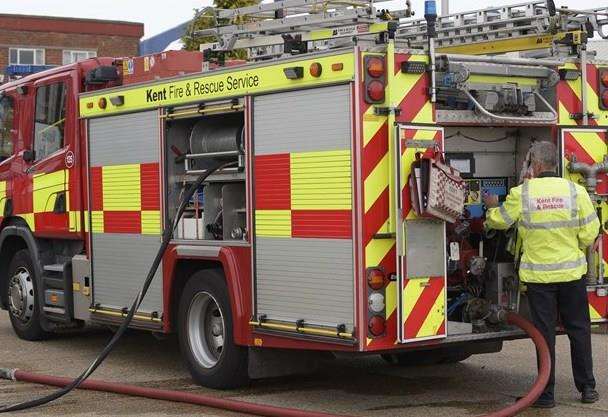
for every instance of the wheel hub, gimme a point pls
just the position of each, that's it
(21, 295)
(206, 329)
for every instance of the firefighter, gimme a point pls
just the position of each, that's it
(557, 222)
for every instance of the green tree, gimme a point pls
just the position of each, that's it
(204, 19)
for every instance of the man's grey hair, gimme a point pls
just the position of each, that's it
(544, 153)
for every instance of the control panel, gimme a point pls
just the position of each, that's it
(477, 187)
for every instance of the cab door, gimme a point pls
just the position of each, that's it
(420, 244)
(50, 155)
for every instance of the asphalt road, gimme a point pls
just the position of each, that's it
(354, 386)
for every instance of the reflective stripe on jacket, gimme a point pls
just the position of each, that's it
(556, 221)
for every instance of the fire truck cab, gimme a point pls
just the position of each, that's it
(351, 219)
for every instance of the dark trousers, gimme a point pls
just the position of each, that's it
(569, 299)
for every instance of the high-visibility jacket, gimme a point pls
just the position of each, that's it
(556, 222)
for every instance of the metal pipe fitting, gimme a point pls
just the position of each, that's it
(503, 60)
(589, 172)
(592, 275)
(6, 373)
(516, 119)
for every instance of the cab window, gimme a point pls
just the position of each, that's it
(6, 126)
(50, 119)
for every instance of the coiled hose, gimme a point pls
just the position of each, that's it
(272, 411)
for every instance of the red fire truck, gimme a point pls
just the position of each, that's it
(339, 228)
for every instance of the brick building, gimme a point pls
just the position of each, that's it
(32, 43)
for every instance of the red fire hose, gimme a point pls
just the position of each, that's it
(272, 411)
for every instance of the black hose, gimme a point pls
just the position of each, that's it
(167, 234)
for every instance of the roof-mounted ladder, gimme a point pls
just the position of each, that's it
(265, 30)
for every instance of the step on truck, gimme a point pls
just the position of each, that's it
(351, 219)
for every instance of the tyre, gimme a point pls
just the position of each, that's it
(205, 331)
(23, 305)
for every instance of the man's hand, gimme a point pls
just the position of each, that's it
(490, 200)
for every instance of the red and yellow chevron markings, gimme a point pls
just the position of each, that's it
(422, 298)
(304, 195)
(423, 308)
(569, 95)
(408, 93)
(125, 199)
(408, 156)
(589, 146)
(376, 210)
(412, 93)
(598, 307)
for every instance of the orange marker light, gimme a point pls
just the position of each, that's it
(90, 105)
(315, 69)
(338, 66)
(376, 279)
(102, 103)
(375, 67)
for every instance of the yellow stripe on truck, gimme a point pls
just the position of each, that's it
(219, 85)
(45, 190)
(435, 318)
(121, 188)
(2, 197)
(321, 180)
(150, 222)
(275, 223)
(97, 221)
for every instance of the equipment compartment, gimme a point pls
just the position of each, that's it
(217, 210)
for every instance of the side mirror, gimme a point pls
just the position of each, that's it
(29, 155)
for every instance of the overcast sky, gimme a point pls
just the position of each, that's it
(159, 15)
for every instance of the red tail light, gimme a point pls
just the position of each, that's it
(603, 90)
(604, 99)
(377, 326)
(374, 78)
(375, 67)
(375, 91)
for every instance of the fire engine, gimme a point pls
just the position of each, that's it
(351, 219)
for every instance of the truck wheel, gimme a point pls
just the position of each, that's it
(205, 333)
(23, 307)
